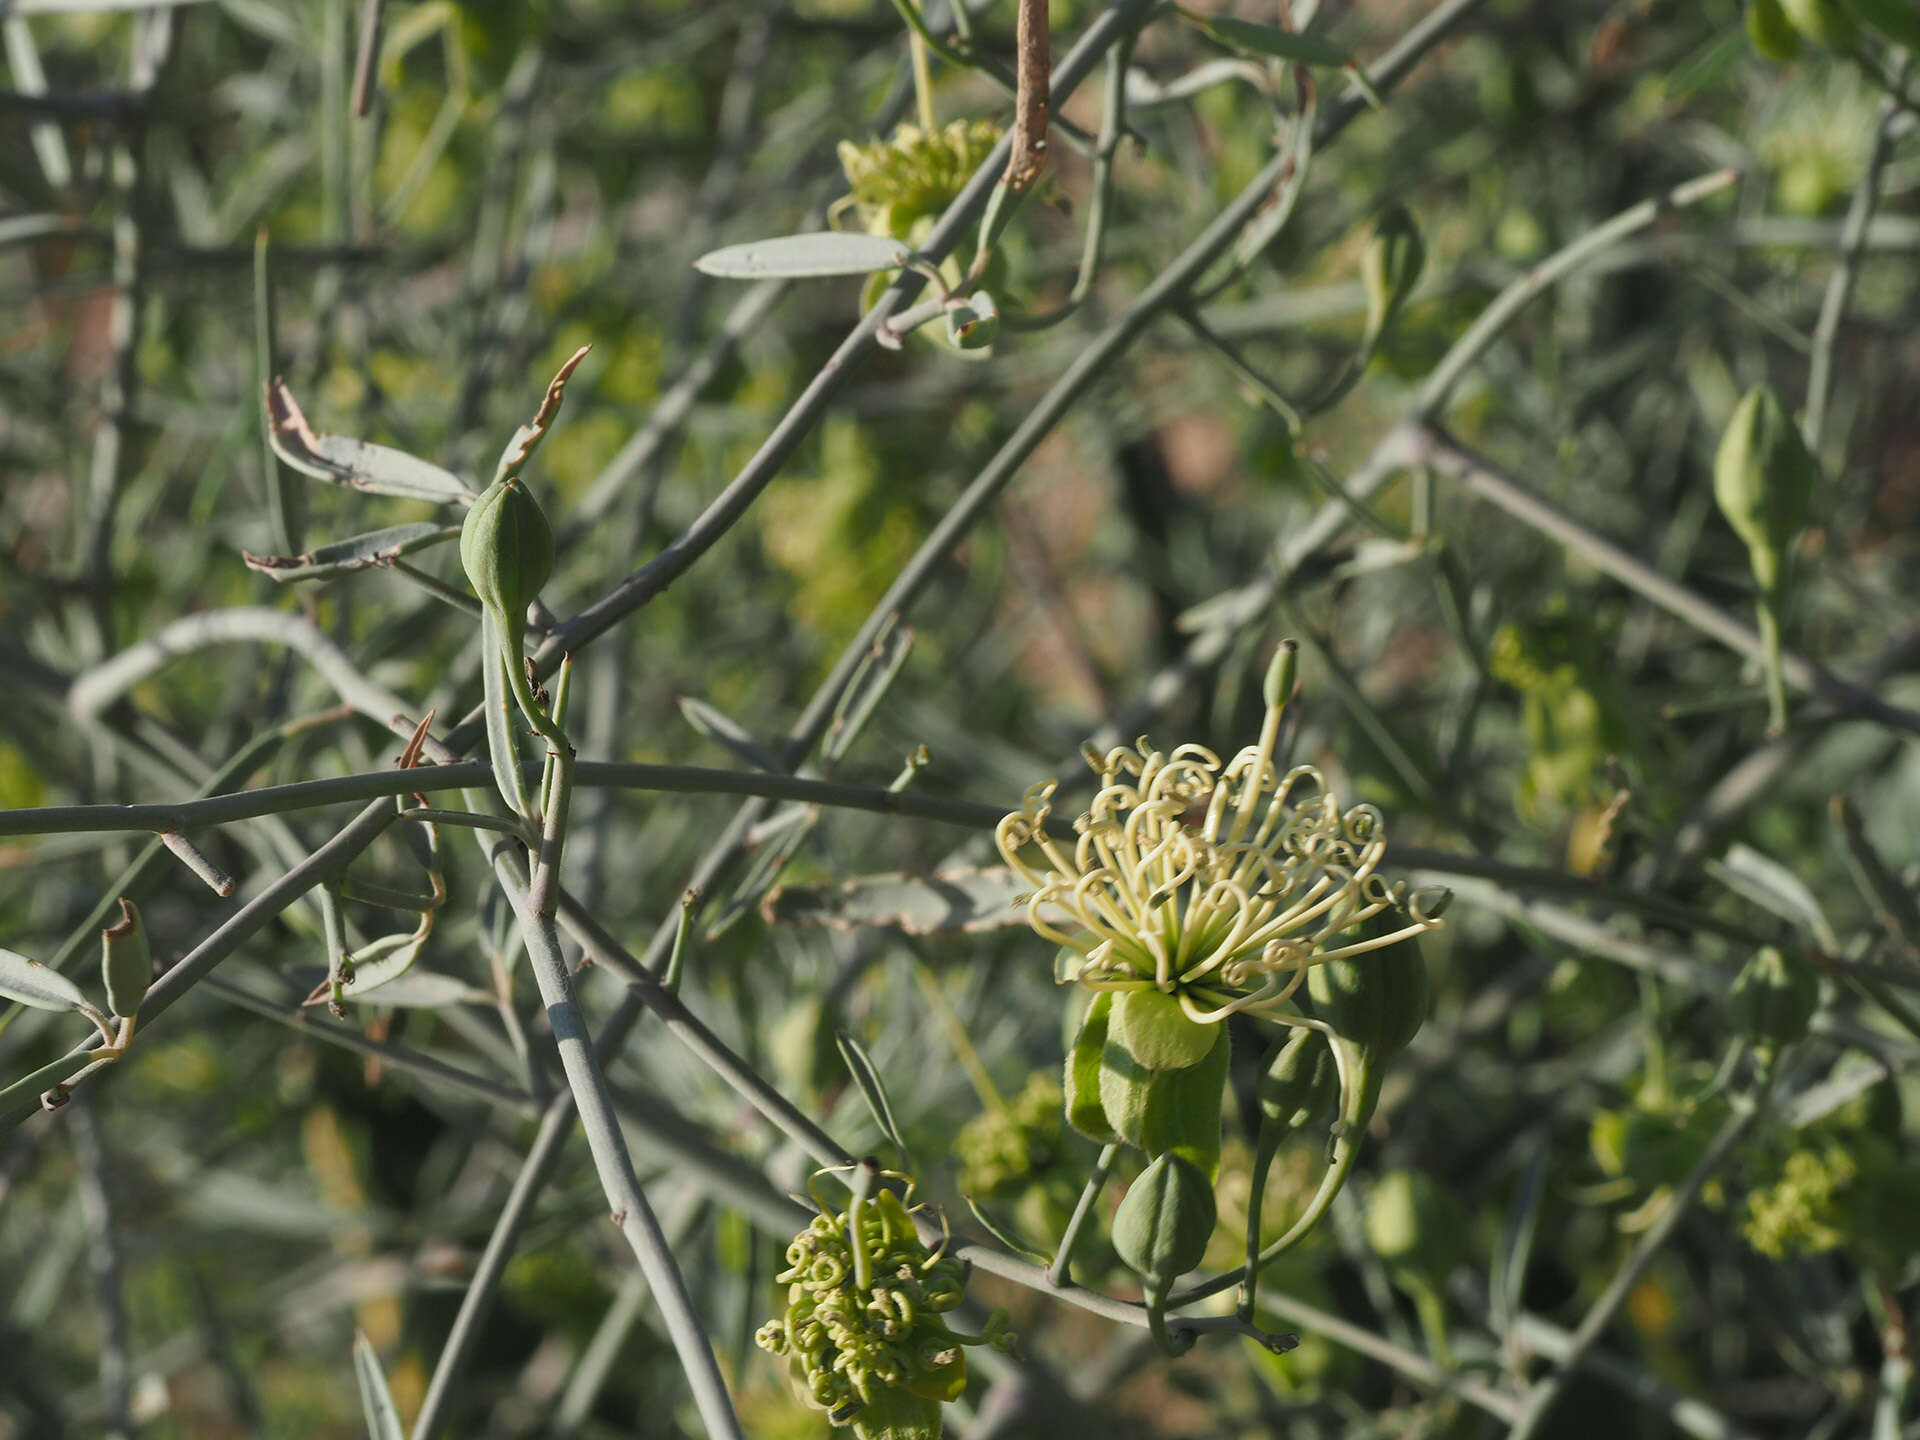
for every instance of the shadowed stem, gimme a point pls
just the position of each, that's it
(1060, 1272)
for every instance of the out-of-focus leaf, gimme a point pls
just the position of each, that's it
(967, 901)
(360, 552)
(377, 469)
(376, 1402)
(861, 1067)
(1270, 40)
(803, 257)
(722, 728)
(33, 984)
(1772, 886)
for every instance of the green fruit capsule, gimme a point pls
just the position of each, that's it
(1770, 32)
(1394, 258)
(1182, 1113)
(506, 546)
(1377, 1002)
(1163, 1224)
(1773, 998)
(1825, 22)
(1763, 479)
(1085, 1081)
(1301, 1084)
(125, 962)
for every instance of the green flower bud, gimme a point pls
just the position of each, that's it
(125, 962)
(506, 546)
(1277, 688)
(1125, 1085)
(1773, 998)
(1825, 22)
(1182, 1114)
(1301, 1084)
(1163, 1224)
(1770, 32)
(1157, 1032)
(1763, 479)
(1086, 1111)
(1394, 258)
(975, 323)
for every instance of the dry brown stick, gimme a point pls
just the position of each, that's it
(1033, 66)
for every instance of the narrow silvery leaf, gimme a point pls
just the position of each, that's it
(377, 469)
(1271, 41)
(417, 990)
(1771, 885)
(359, 552)
(384, 961)
(873, 1092)
(33, 984)
(376, 1402)
(722, 728)
(959, 900)
(802, 257)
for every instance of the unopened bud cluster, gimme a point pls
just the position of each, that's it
(854, 1351)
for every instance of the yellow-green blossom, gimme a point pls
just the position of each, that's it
(1218, 884)
(915, 175)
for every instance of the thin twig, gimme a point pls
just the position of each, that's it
(1846, 269)
(1031, 76)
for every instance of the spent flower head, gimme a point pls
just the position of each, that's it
(1218, 883)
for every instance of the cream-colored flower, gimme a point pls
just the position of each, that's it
(1217, 884)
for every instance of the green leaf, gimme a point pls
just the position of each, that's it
(873, 1092)
(359, 552)
(382, 962)
(1270, 40)
(418, 990)
(724, 730)
(964, 901)
(376, 1402)
(377, 469)
(804, 257)
(33, 984)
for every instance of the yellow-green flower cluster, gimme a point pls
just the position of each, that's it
(1000, 1151)
(915, 175)
(1216, 883)
(862, 1331)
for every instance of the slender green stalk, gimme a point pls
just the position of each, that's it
(1846, 269)
(1060, 1272)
